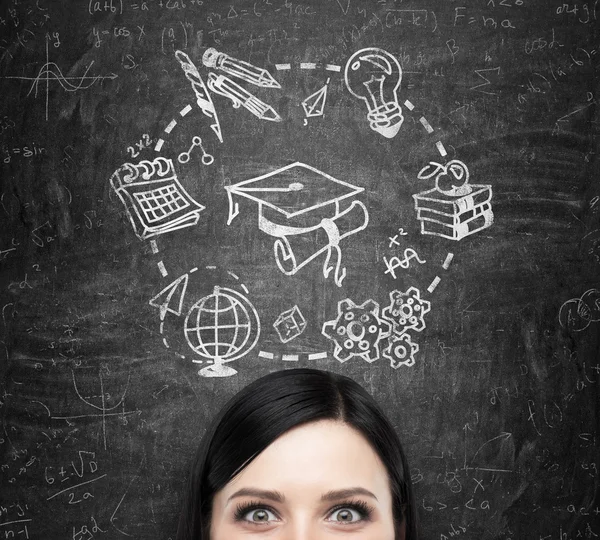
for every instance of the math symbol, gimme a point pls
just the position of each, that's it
(396, 262)
(207, 159)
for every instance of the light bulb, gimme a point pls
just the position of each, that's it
(374, 76)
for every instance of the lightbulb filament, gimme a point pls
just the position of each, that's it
(375, 91)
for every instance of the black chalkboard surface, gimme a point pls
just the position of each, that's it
(195, 193)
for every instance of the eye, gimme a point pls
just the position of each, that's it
(345, 515)
(351, 513)
(254, 513)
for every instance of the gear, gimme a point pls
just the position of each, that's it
(406, 311)
(401, 351)
(357, 331)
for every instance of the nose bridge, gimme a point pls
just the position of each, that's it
(302, 526)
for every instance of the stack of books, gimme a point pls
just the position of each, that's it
(454, 217)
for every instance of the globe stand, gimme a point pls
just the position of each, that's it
(221, 327)
(217, 370)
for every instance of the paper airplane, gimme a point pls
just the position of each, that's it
(174, 291)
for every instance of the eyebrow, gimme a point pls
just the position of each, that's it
(277, 496)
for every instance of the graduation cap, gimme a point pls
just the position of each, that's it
(299, 189)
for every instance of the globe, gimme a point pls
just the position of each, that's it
(221, 327)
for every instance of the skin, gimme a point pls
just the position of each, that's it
(302, 470)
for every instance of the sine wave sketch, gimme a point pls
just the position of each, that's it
(51, 71)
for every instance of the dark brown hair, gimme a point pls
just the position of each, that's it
(267, 408)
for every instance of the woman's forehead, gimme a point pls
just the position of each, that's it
(324, 454)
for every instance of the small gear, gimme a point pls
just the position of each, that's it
(406, 311)
(401, 351)
(357, 331)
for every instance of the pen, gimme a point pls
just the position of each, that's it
(238, 68)
(203, 98)
(224, 86)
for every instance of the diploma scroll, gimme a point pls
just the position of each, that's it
(298, 246)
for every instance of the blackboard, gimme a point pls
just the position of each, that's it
(195, 193)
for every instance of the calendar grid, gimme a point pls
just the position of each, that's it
(160, 203)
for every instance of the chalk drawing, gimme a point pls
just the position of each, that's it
(174, 292)
(406, 311)
(155, 201)
(222, 327)
(50, 71)
(454, 208)
(238, 68)
(578, 313)
(171, 126)
(441, 149)
(104, 410)
(374, 76)
(308, 65)
(295, 190)
(395, 262)
(203, 99)
(162, 269)
(447, 261)
(314, 105)
(207, 159)
(293, 357)
(401, 351)
(433, 285)
(220, 84)
(357, 331)
(426, 124)
(394, 239)
(290, 324)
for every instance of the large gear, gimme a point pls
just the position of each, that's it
(406, 311)
(357, 331)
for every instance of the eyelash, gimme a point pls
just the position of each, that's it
(361, 507)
